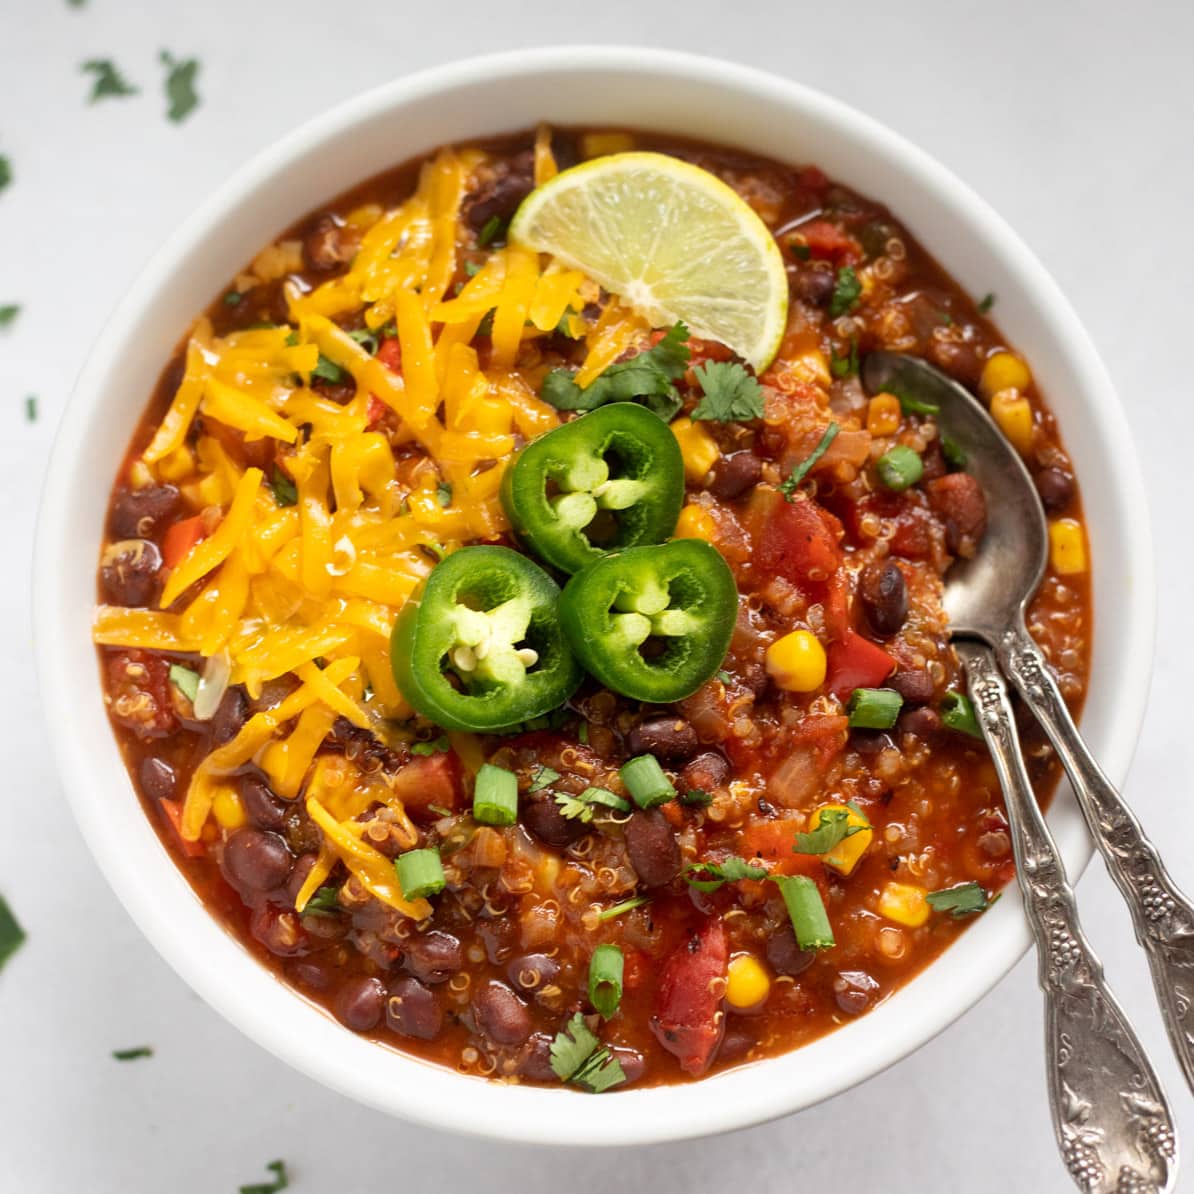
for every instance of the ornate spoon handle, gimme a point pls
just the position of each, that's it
(1110, 1116)
(1162, 915)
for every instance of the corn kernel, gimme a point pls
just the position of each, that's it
(1004, 371)
(695, 522)
(904, 903)
(140, 474)
(179, 465)
(697, 446)
(747, 982)
(797, 662)
(810, 367)
(1012, 411)
(1067, 546)
(597, 145)
(844, 857)
(489, 417)
(883, 415)
(227, 808)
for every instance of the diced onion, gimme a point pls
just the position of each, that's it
(212, 686)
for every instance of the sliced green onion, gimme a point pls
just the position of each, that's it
(646, 782)
(806, 910)
(873, 708)
(899, 467)
(185, 680)
(605, 798)
(605, 979)
(495, 796)
(957, 713)
(420, 873)
(697, 797)
(624, 906)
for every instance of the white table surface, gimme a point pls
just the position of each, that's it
(1073, 119)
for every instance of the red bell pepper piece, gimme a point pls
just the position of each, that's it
(390, 354)
(688, 1020)
(828, 242)
(855, 662)
(180, 538)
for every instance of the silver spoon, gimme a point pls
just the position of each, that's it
(1111, 1118)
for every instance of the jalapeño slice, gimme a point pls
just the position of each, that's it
(479, 645)
(653, 623)
(611, 479)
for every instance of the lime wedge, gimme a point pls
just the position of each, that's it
(671, 240)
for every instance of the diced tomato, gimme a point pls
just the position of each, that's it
(813, 179)
(180, 538)
(173, 811)
(828, 242)
(856, 662)
(836, 603)
(913, 535)
(687, 1020)
(390, 354)
(375, 410)
(800, 542)
(770, 840)
(431, 779)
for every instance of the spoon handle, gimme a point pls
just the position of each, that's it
(1112, 1123)
(1162, 915)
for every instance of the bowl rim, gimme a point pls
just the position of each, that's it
(349, 1064)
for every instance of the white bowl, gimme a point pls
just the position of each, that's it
(618, 86)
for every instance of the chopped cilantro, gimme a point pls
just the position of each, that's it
(799, 250)
(625, 906)
(649, 375)
(573, 808)
(696, 797)
(711, 875)
(582, 732)
(233, 298)
(846, 292)
(954, 453)
(368, 340)
(833, 829)
(986, 303)
(485, 327)
(845, 366)
(12, 936)
(578, 1056)
(328, 370)
(31, 408)
(490, 230)
(960, 900)
(280, 1181)
(323, 902)
(443, 491)
(8, 313)
(725, 676)
(542, 777)
(471, 269)
(564, 326)
(285, 490)
(5, 171)
(439, 810)
(731, 394)
(108, 80)
(910, 404)
(180, 85)
(434, 747)
(185, 680)
(788, 487)
(132, 1054)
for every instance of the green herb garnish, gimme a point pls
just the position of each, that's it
(328, 370)
(788, 487)
(696, 798)
(368, 340)
(5, 171)
(954, 453)
(731, 394)
(543, 777)
(185, 680)
(625, 906)
(712, 875)
(108, 80)
(132, 1054)
(233, 298)
(578, 1056)
(986, 303)
(280, 1181)
(12, 936)
(845, 366)
(490, 230)
(434, 747)
(443, 492)
(957, 713)
(960, 900)
(832, 829)
(846, 292)
(31, 408)
(8, 313)
(284, 489)
(324, 902)
(180, 86)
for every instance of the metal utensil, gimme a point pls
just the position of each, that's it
(1111, 1118)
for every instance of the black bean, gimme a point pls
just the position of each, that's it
(922, 722)
(257, 861)
(305, 973)
(230, 715)
(413, 1010)
(502, 194)
(652, 847)
(959, 500)
(141, 513)
(262, 805)
(532, 972)
(542, 816)
(733, 475)
(501, 1015)
(815, 283)
(870, 742)
(1056, 488)
(884, 596)
(961, 359)
(433, 957)
(158, 780)
(854, 990)
(785, 955)
(914, 684)
(130, 572)
(707, 772)
(360, 1003)
(667, 736)
(735, 1045)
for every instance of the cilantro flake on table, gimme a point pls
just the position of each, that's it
(12, 936)
(846, 292)
(986, 303)
(731, 394)
(8, 313)
(5, 171)
(280, 1180)
(180, 85)
(108, 82)
(134, 1054)
(31, 408)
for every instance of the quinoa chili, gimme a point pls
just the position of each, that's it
(777, 811)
